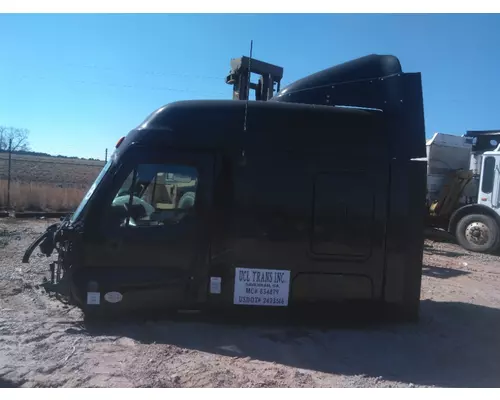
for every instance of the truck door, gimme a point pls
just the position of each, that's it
(153, 233)
(496, 186)
(489, 189)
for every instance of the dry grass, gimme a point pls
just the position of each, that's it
(35, 196)
(57, 171)
(46, 183)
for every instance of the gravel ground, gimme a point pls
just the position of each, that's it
(46, 344)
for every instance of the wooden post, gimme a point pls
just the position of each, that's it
(9, 173)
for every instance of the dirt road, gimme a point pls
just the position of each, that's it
(456, 343)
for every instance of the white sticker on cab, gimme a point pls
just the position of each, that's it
(113, 297)
(93, 298)
(215, 284)
(261, 287)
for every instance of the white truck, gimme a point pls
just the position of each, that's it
(463, 188)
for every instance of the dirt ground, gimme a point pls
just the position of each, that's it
(456, 343)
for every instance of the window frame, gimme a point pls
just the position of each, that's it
(488, 175)
(161, 167)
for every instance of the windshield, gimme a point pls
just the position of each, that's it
(90, 192)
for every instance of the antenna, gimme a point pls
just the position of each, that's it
(248, 87)
(243, 159)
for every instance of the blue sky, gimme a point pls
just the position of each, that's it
(80, 82)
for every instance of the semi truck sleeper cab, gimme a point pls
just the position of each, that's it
(312, 197)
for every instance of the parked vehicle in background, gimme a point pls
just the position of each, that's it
(463, 188)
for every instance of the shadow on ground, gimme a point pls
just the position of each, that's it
(439, 235)
(442, 272)
(454, 344)
(5, 384)
(445, 253)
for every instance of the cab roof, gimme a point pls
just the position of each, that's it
(232, 110)
(219, 124)
(384, 113)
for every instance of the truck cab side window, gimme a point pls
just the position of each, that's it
(488, 175)
(156, 194)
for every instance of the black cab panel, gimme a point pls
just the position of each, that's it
(276, 204)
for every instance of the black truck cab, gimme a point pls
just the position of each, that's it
(312, 197)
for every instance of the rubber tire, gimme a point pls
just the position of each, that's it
(494, 240)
